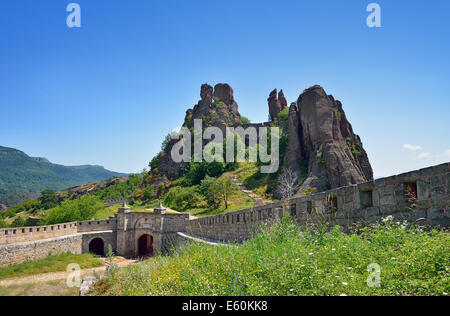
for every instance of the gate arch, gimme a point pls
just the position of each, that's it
(97, 246)
(145, 245)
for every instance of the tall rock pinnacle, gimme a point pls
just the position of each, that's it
(335, 154)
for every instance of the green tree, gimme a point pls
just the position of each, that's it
(81, 209)
(19, 222)
(49, 199)
(223, 189)
(149, 192)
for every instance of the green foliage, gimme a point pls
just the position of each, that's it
(23, 177)
(19, 221)
(287, 260)
(29, 206)
(204, 190)
(283, 118)
(197, 171)
(120, 190)
(222, 189)
(149, 192)
(81, 209)
(245, 120)
(166, 142)
(352, 147)
(3, 224)
(48, 199)
(154, 162)
(182, 198)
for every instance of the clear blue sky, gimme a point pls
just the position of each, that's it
(109, 92)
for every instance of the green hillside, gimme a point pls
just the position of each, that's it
(22, 176)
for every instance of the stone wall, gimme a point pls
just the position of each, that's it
(92, 226)
(363, 203)
(26, 234)
(109, 239)
(39, 249)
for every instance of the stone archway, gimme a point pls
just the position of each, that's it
(145, 245)
(97, 246)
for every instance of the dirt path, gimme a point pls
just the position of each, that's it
(55, 276)
(259, 201)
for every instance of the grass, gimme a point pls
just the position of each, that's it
(262, 184)
(107, 212)
(51, 288)
(56, 263)
(286, 260)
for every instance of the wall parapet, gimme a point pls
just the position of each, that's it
(421, 196)
(25, 234)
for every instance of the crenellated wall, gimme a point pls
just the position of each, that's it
(421, 196)
(26, 234)
(363, 203)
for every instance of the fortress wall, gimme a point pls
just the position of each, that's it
(39, 249)
(364, 203)
(92, 226)
(25, 234)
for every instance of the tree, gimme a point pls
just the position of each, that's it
(223, 188)
(288, 184)
(19, 222)
(149, 192)
(49, 199)
(81, 209)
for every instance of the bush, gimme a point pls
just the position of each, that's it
(81, 209)
(19, 222)
(182, 198)
(245, 120)
(48, 200)
(197, 171)
(120, 190)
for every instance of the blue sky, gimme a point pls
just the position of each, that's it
(109, 92)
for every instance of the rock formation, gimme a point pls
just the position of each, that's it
(276, 103)
(334, 153)
(321, 148)
(216, 107)
(3, 207)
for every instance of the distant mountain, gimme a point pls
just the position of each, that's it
(23, 177)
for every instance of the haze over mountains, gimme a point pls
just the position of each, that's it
(23, 177)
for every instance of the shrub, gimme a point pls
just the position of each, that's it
(48, 200)
(182, 198)
(81, 209)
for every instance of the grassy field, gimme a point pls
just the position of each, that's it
(288, 261)
(55, 263)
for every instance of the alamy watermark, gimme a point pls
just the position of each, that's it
(263, 143)
(374, 18)
(74, 17)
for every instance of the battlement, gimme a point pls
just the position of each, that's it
(26, 234)
(421, 197)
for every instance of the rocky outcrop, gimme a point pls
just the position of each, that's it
(321, 147)
(3, 207)
(216, 107)
(334, 153)
(277, 103)
(293, 157)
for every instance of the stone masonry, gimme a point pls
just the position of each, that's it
(418, 197)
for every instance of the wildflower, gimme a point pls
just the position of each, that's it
(333, 249)
(344, 283)
(343, 294)
(291, 290)
(350, 268)
(310, 254)
(297, 260)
